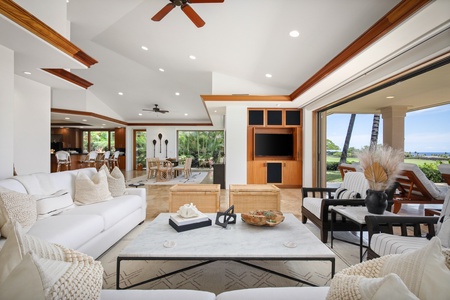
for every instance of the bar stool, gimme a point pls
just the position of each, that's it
(62, 159)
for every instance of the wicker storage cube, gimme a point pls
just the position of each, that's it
(204, 196)
(249, 197)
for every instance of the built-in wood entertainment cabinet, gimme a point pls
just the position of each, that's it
(274, 147)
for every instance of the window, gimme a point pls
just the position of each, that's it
(205, 147)
(98, 140)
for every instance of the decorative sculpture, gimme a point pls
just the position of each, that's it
(154, 147)
(166, 142)
(229, 217)
(160, 137)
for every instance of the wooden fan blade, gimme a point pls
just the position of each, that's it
(163, 12)
(193, 15)
(205, 1)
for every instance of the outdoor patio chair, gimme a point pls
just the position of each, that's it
(445, 172)
(353, 167)
(416, 188)
(317, 203)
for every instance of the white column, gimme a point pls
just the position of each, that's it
(394, 126)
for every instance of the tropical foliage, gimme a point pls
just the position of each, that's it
(205, 147)
(141, 147)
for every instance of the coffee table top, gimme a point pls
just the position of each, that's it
(289, 240)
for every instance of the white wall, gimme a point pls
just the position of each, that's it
(6, 112)
(236, 145)
(31, 126)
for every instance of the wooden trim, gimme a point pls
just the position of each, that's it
(169, 124)
(86, 113)
(388, 22)
(70, 77)
(277, 98)
(23, 18)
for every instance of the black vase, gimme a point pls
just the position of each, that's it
(376, 202)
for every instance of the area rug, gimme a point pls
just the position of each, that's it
(195, 178)
(216, 277)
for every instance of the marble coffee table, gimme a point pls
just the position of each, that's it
(240, 242)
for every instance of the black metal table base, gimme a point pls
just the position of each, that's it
(205, 262)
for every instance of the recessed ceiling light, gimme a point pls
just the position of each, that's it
(294, 33)
(269, 75)
(103, 124)
(185, 114)
(178, 94)
(140, 114)
(192, 57)
(27, 73)
(390, 97)
(161, 69)
(84, 120)
(120, 93)
(67, 118)
(144, 48)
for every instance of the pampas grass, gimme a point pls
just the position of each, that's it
(381, 166)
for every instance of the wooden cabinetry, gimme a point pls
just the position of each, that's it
(120, 137)
(274, 147)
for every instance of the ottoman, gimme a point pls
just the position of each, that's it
(204, 196)
(248, 197)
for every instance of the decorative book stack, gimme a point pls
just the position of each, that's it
(182, 224)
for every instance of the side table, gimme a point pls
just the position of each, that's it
(355, 214)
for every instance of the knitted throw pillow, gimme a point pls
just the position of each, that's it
(355, 287)
(16, 207)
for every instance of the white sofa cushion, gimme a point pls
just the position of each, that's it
(70, 231)
(156, 294)
(356, 182)
(93, 189)
(435, 191)
(385, 244)
(111, 211)
(285, 293)
(16, 207)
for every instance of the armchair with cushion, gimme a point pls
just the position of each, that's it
(400, 234)
(317, 203)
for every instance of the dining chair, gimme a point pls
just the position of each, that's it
(62, 159)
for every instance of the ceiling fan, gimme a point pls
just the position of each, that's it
(195, 18)
(156, 109)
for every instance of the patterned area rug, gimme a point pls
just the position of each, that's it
(195, 178)
(216, 277)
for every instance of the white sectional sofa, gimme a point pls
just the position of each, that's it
(91, 229)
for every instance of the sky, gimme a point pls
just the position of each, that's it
(426, 130)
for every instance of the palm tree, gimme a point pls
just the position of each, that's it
(375, 127)
(347, 139)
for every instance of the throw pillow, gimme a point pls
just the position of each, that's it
(424, 271)
(116, 181)
(343, 193)
(18, 244)
(351, 287)
(51, 279)
(89, 191)
(50, 205)
(444, 233)
(18, 207)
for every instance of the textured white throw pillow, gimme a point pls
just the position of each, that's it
(50, 205)
(18, 244)
(40, 278)
(116, 181)
(357, 287)
(89, 191)
(17, 207)
(444, 233)
(424, 271)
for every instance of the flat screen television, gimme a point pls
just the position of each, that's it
(274, 144)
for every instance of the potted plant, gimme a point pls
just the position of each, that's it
(381, 167)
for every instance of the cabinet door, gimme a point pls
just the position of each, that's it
(256, 172)
(292, 173)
